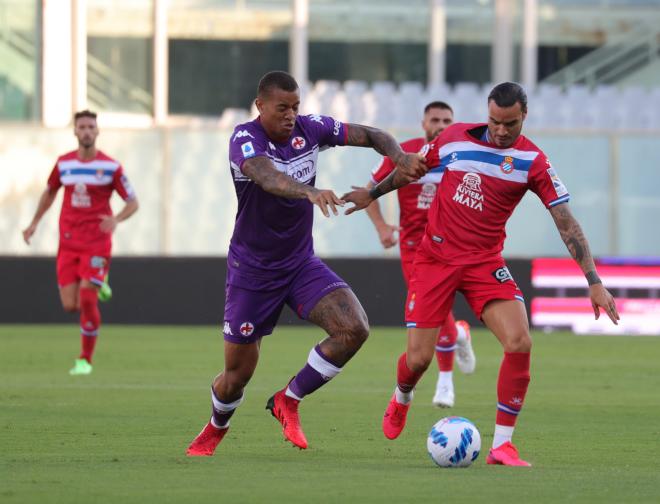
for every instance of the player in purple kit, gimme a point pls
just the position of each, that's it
(271, 259)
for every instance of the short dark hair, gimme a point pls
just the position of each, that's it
(84, 113)
(438, 104)
(507, 94)
(276, 80)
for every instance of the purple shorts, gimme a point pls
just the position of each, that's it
(251, 314)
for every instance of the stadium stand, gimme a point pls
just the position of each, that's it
(604, 107)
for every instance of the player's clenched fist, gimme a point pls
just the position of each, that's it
(412, 165)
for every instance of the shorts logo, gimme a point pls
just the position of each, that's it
(298, 143)
(507, 165)
(246, 329)
(502, 274)
(411, 304)
(248, 150)
(227, 329)
(97, 262)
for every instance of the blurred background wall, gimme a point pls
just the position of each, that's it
(170, 80)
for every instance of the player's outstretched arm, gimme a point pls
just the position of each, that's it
(45, 201)
(262, 171)
(412, 165)
(386, 232)
(571, 232)
(362, 197)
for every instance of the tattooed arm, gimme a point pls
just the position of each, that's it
(362, 197)
(262, 171)
(412, 165)
(571, 232)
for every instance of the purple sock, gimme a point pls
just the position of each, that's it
(222, 412)
(316, 373)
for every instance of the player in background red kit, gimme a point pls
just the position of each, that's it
(488, 169)
(86, 225)
(414, 201)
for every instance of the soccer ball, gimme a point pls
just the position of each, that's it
(454, 442)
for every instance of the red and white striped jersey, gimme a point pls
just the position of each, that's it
(481, 186)
(88, 186)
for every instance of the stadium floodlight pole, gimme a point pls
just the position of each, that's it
(79, 55)
(298, 41)
(529, 47)
(437, 51)
(502, 48)
(160, 88)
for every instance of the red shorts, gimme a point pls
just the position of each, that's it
(434, 284)
(407, 259)
(74, 266)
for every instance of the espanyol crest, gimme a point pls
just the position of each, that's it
(298, 143)
(507, 165)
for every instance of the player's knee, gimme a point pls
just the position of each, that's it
(358, 332)
(70, 306)
(519, 342)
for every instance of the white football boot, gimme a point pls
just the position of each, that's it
(465, 359)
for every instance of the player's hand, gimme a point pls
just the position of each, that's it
(412, 165)
(28, 232)
(601, 298)
(324, 198)
(108, 223)
(359, 196)
(387, 235)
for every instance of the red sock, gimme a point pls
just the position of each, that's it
(446, 344)
(512, 386)
(405, 378)
(90, 320)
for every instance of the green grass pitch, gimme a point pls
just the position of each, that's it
(590, 425)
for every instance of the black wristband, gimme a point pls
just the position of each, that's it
(593, 278)
(375, 193)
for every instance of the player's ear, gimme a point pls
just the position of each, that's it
(259, 104)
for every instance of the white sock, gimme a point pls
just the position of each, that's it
(503, 433)
(403, 397)
(445, 379)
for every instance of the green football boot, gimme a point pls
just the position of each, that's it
(105, 291)
(80, 367)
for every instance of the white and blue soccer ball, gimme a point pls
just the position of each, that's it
(454, 442)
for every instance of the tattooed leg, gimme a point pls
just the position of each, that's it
(342, 317)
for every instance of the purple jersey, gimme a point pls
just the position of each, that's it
(273, 235)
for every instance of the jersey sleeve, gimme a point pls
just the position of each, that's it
(54, 181)
(431, 153)
(382, 170)
(544, 181)
(121, 184)
(328, 131)
(245, 143)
